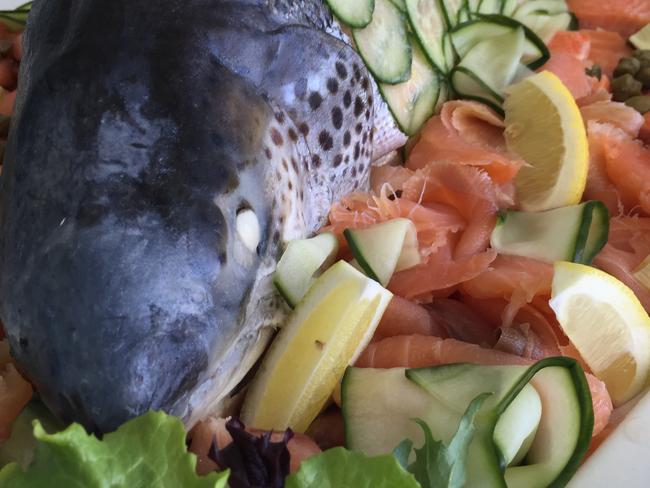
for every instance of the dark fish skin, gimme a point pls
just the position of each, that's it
(136, 139)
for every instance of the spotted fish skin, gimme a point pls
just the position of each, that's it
(138, 136)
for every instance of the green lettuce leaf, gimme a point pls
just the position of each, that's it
(440, 466)
(146, 452)
(338, 468)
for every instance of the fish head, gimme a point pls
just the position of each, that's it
(141, 221)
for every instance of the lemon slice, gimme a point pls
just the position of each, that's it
(325, 333)
(641, 39)
(607, 324)
(544, 127)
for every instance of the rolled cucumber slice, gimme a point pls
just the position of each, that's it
(466, 35)
(550, 7)
(355, 14)
(414, 101)
(544, 24)
(515, 430)
(575, 233)
(384, 248)
(474, 78)
(302, 262)
(379, 405)
(427, 19)
(384, 45)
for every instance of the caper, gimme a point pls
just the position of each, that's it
(625, 86)
(643, 55)
(627, 66)
(641, 104)
(644, 76)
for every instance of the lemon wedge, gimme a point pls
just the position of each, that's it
(607, 324)
(641, 39)
(324, 334)
(544, 127)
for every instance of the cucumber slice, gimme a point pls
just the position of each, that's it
(550, 7)
(384, 248)
(476, 79)
(384, 45)
(452, 10)
(355, 14)
(546, 25)
(400, 4)
(575, 233)
(378, 406)
(414, 101)
(427, 19)
(302, 262)
(515, 430)
(465, 36)
(489, 7)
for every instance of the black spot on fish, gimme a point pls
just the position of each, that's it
(315, 100)
(358, 107)
(337, 118)
(367, 114)
(333, 86)
(294, 163)
(347, 99)
(290, 185)
(358, 128)
(347, 137)
(357, 151)
(325, 140)
(315, 159)
(276, 137)
(268, 153)
(353, 173)
(292, 134)
(279, 116)
(338, 160)
(304, 129)
(365, 83)
(370, 100)
(364, 139)
(341, 70)
(285, 165)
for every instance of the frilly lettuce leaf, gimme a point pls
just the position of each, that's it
(146, 452)
(339, 468)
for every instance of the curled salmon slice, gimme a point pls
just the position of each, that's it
(599, 186)
(415, 351)
(466, 133)
(575, 43)
(622, 16)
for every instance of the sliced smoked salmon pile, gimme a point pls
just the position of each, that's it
(569, 52)
(622, 16)
(628, 245)
(415, 351)
(606, 48)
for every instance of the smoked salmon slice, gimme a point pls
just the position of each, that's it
(622, 16)
(628, 245)
(606, 48)
(466, 133)
(599, 186)
(617, 114)
(627, 162)
(415, 351)
(513, 278)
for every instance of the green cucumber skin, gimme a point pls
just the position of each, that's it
(591, 209)
(354, 248)
(510, 22)
(406, 74)
(350, 22)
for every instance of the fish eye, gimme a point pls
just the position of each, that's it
(248, 228)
